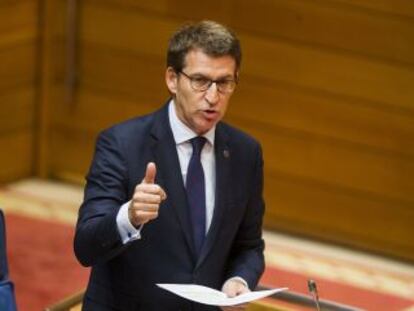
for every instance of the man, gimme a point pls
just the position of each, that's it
(176, 196)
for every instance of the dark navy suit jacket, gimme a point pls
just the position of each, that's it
(123, 277)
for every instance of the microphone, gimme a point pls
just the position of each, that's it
(313, 290)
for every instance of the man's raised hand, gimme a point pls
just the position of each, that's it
(147, 198)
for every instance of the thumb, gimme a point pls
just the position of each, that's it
(150, 173)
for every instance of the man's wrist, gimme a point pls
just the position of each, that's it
(126, 229)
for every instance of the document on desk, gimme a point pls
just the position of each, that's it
(213, 297)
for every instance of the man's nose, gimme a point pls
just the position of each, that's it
(212, 94)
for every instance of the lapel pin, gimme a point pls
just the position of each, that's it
(226, 153)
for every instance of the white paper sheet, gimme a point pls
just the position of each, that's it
(213, 297)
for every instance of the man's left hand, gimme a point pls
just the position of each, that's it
(233, 288)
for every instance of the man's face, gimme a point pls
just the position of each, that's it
(201, 110)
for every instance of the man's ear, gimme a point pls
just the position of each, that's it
(171, 79)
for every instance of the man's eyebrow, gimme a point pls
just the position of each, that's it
(200, 75)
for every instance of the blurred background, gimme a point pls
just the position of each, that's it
(327, 86)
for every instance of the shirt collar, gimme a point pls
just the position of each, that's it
(181, 132)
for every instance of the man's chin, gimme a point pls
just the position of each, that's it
(201, 130)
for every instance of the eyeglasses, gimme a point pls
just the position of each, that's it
(201, 84)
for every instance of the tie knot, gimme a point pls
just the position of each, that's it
(198, 144)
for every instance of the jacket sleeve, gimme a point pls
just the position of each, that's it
(97, 238)
(247, 250)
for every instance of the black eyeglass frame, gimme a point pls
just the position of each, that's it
(209, 82)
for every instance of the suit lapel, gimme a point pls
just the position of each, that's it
(223, 156)
(165, 153)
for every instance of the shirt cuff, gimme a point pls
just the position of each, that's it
(126, 230)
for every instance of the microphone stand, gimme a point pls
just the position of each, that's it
(313, 290)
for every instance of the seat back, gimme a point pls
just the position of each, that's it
(7, 298)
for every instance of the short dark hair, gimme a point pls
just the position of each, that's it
(211, 37)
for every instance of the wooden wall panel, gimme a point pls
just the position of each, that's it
(72, 151)
(329, 26)
(18, 39)
(15, 15)
(366, 221)
(18, 67)
(326, 86)
(330, 72)
(107, 71)
(327, 116)
(129, 30)
(89, 119)
(336, 163)
(17, 110)
(17, 158)
(402, 8)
